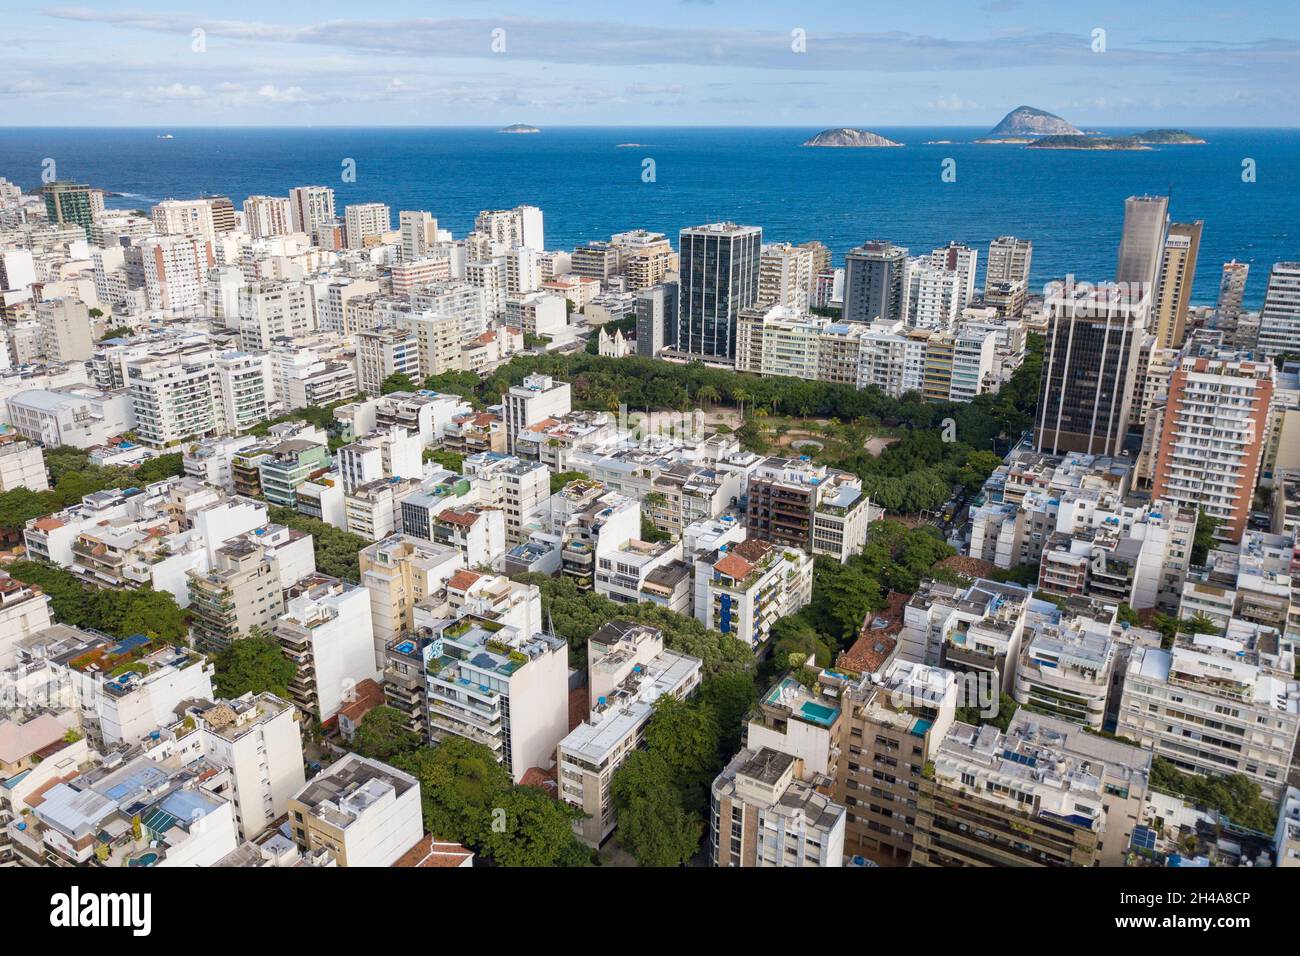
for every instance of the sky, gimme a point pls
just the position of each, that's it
(858, 63)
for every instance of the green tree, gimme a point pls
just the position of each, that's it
(688, 737)
(1203, 538)
(536, 831)
(253, 664)
(383, 734)
(336, 549)
(653, 825)
(397, 382)
(730, 696)
(460, 783)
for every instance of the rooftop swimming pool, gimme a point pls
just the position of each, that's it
(819, 713)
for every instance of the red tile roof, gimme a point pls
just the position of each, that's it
(369, 695)
(430, 852)
(465, 519)
(463, 580)
(734, 566)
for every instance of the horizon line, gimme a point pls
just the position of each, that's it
(495, 128)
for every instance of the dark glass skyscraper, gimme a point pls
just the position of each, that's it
(719, 277)
(1090, 365)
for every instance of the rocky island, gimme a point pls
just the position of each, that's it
(1026, 123)
(849, 138)
(519, 128)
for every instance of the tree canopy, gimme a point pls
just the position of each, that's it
(255, 664)
(121, 613)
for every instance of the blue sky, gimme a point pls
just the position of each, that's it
(672, 62)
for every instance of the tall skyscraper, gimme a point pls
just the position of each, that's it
(1177, 273)
(719, 277)
(69, 203)
(311, 208)
(184, 217)
(1211, 440)
(1230, 307)
(1090, 366)
(419, 233)
(1279, 319)
(1009, 261)
(521, 226)
(875, 283)
(267, 216)
(1232, 290)
(656, 318)
(1141, 248)
(223, 213)
(364, 221)
(785, 275)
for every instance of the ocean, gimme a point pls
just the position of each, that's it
(590, 183)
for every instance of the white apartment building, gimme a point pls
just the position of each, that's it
(176, 272)
(438, 338)
(173, 396)
(521, 489)
(256, 739)
(460, 299)
(419, 234)
(23, 612)
(366, 222)
(501, 688)
(244, 388)
(184, 217)
(491, 277)
(1279, 319)
(209, 460)
(388, 454)
(536, 398)
(1212, 437)
(357, 812)
(374, 510)
(1217, 704)
(1066, 668)
(311, 208)
(744, 588)
(328, 633)
(537, 313)
(763, 815)
(399, 572)
(124, 708)
(383, 352)
(267, 216)
(22, 464)
(267, 310)
(785, 276)
(521, 226)
(67, 333)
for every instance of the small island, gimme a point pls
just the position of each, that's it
(847, 138)
(1029, 122)
(1088, 142)
(1156, 137)
(1169, 137)
(519, 128)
